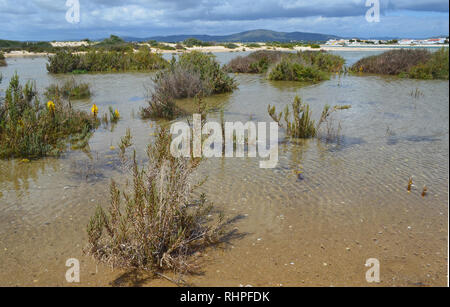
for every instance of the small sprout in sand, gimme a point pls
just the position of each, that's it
(299, 175)
(410, 184)
(424, 191)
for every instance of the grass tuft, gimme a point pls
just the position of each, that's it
(69, 90)
(299, 123)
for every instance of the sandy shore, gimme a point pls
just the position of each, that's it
(218, 49)
(241, 48)
(389, 47)
(17, 54)
(69, 44)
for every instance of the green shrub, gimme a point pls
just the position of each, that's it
(231, 46)
(413, 63)
(293, 71)
(393, 62)
(323, 60)
(253, 45)
(283, 45)
(29, 129)
(105, 61)
(113, 43)
(179, 47)
(256, 62)
(300, 124)
(70, 89)
(194, 73)
(166, 47)
(160, 224)
(308, 66)
(161, 46)
(2, 59)
(7, 45)
(153, 43)
(435, 68)
(209, 70)
(113, 39)
(193, 42)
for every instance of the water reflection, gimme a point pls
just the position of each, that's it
(19, 176)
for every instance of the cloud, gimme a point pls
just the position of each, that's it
(45, 19)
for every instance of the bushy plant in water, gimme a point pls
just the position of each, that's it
(194, 74)
(105, 61)
(70, 89)
(299, 123)
(31, 129)
(157, 222)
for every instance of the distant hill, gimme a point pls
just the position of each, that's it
(248, 36)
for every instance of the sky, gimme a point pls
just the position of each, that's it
(46, 19)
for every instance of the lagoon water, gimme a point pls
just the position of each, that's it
(351, 205)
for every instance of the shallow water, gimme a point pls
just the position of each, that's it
(351, 205)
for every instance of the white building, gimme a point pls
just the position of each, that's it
(406, 42)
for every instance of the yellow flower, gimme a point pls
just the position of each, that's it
(94, 110)
(51, 106)
(116, 114)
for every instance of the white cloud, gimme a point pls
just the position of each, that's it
(45, 19)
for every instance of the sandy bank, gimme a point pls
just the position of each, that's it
(69, 44)
(17, 54)
(241, 48)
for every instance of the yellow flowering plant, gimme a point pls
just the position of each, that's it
(114, 115)
(51, 106)
(54, 124)
(94, 110)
